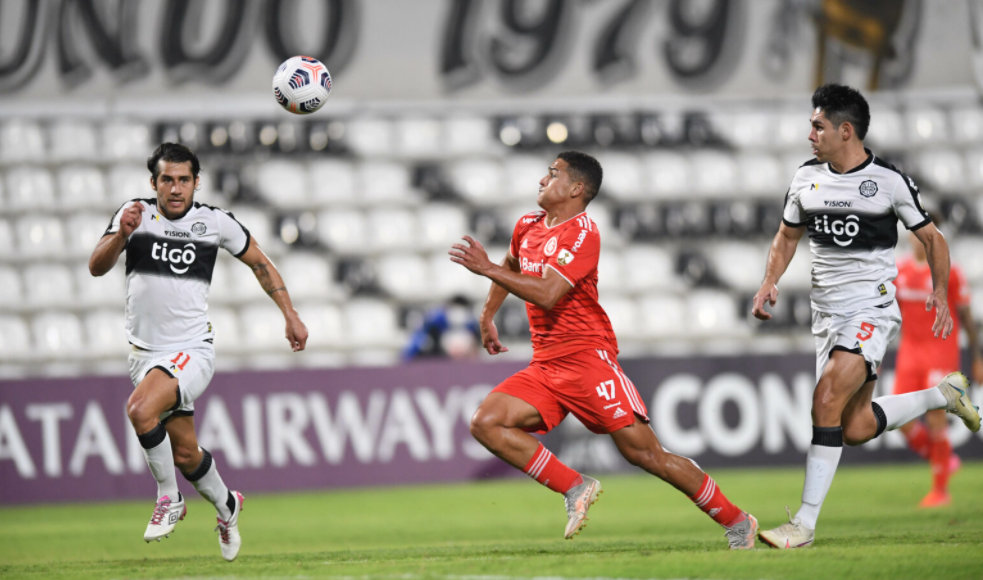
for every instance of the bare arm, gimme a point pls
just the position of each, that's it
(937, 252)
(271, 282)
(779, 256)
(973, 337)
(108, 249)
(486, 323)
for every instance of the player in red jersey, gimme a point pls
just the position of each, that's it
(552, 265)
(922, 361)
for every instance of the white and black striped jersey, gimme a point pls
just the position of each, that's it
(852, 220)
(169, 268)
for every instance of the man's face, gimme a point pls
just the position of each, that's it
(556, 187)
(175, 188)
(825, 137)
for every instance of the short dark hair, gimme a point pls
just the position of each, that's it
(587, 169)
(841, 103)
(173, 153)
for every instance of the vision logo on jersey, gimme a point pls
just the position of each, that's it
(175, 256)
(868, 188)
(550, 247)
(564, 258)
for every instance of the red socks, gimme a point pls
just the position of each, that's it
(918, 440)
(713, 502)
(940, 457)
(545, 468)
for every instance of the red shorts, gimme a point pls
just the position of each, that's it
(909, 380)
(587, 383)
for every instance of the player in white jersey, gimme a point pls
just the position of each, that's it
(850, 201)
(171, 244)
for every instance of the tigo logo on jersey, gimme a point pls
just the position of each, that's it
(550, 248)
(174, 256)
(564, 258)
(850, 227)
(868, 188)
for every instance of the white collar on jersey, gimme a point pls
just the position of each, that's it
(564, 221)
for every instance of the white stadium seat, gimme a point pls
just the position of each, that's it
(792, 130)
(610, 273)
(385, 182)
(257, 221)
(7, 248)
(942, 170)
(29, 188)
(762, 175)
(647, 267)
(926, 126)
(72, 140)
(325, 325)
(284, 184)
(126, 140)
(974, 168)
(522, 175)
(372, 323)
(108, 289)
(225, 325)
(58, 336)
(715, 174)
(307, 275)
(798, 276)
(450, 279)
(262, 328)
(623, 176)
(244, 287)
(479, 181)
(467, 135)
(662, 316)
(48, 285)
(967, 251)
(712, 313)
(40, 236)
(370, 137)
(219, 291)
(623, 314)
(343, 231)
(405, 276)
(81, 187)
(668, 175)
(418, 137)
(21, 141)
(105, 332)
(752, 128)
(332, 182)
(11, 289)
(84, 230)
(442, 225)
(393, 228)
(15, 338)
(129, 182)
(740, 265)
(967, 125)
(886, 128)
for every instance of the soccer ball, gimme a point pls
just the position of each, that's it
(302, 84)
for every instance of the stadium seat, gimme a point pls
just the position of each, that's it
(11, 289)
(260, 225)
(261, 327)
(219, 291)
(623, 176)
(81, 187)
(478, 181)
(40, 236)
(668, 175)
(84, 230)
(522, 175)
(105, 333)
(974, 168)
(29, 188)
(225, 325)
(715, 174)
(392, 229)
(967, 125)
(798, 276)
(942, 170)
(623, 315)
(926, 126)
(648, 267)
(284, 184)
(751, 129)
(244, 287)
(372, 323)
(442, 225)
(762, 176)
(325, 325)
(611, 278)
(662, 316)
(332, 182)
(308, 275)
(384, 182)
(73, 140)
(967, 251)
(405, 276)
(58, 336)
(21, 141)
(740, 265)
(468, 135)
(418, 137)
(450, 279)
(344, 231)
(15, 339)
(48, 285)
(7, 247)
(108, 289)
(886, 128)
(712, 313)
(370, 137)
(126, 140)
(792, 130)
(129, 182)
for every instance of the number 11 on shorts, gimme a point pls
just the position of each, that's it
(606, 390)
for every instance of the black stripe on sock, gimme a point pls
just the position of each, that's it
(881, 418)
(202, 469)
(154, 437)
(827, 436)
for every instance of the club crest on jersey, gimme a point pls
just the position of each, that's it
(550, 247)
(868, 188)
(199, 229)
(564, 258)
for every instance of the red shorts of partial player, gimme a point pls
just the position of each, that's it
(588, 383)
(909, 378)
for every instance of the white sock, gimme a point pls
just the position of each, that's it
(824, 456)
(900, 409)
(157, 448)
(209, 484)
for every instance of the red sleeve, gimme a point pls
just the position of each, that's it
(958, 288)
(577, 252)
(517, 232)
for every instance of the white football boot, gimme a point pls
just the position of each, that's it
(954, 387)
(167, 514)
(228, 531)
(790, 535)
(578, 500)
(741, 535)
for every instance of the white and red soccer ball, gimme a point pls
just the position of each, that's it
(302, 85)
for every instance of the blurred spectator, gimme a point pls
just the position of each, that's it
(448, 331)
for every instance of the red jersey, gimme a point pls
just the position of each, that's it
(577, 322)
(914, 284)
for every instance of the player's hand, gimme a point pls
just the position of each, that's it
(767, 293)
(296, 333)
(489, 338)
(472, 256)
(978, 370)
(130, 219)
(943, 319)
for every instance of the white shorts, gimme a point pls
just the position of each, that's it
(192, 367)
(866, 332)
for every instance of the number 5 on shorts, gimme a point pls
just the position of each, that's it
(866, 331)
(606, 390)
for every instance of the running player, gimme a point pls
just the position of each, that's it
(850, 200)
(552, 265)
(171, 244)
(922, 361)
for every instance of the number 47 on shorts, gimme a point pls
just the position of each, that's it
(606, 390)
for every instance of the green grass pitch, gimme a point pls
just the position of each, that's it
(640, 528)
